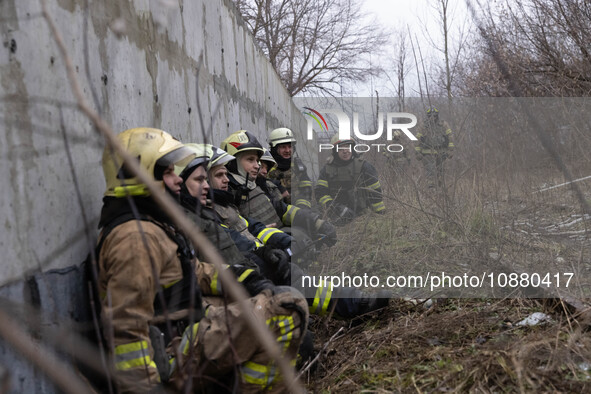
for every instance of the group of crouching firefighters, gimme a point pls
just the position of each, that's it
(164, 314)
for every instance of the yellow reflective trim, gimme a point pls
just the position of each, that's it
(245, 275)
(379, 206)
(188, 337)
(451, 145)
(318, 298)
(136, 362)
(418, 148)
(244, 220)
(303, 202)
(306, 184)
(223, 225)
(131, 347)
(131, 190)
(375, 185)
(419, 135)
(327, 299)
(322, 182)
(258, 374)
(289, 215)
(132, 355)
(215, 284)
(170, 284)
(448, 132)
(268, 233)
(325, 199)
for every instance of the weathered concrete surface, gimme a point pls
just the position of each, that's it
(54, 301)
(141, 69)
(140, 63)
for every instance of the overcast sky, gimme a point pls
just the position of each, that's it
(423, 22)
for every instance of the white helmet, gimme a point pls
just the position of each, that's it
(281, 135)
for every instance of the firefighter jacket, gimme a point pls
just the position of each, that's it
(222, 237)
(435, 140)
(270, 188)
(254, 202)
(290, 172)
(353, 183)
(144, 262)
(247, 229)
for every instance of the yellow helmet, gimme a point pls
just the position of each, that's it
(281, 135)
(155, 150)
(242, 141)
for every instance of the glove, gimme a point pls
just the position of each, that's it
(299, 166)
(328, 231)
(303, 251)
(340, 214)
(253, 281)
(281, 262)
(240, 194)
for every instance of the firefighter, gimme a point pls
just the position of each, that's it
(234, 247)
(273, 186)
(152, 287)
(290, 169)
(348, 185)
(346, 302)
(434, 147)
(252, 200)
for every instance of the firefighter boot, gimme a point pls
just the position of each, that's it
(352, 302)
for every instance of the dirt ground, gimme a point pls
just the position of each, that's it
(456, 345)
(459, 344)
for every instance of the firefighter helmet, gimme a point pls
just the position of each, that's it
(155, 150)
(218, 157)
(268, 158)
(432, 112)
(242, 141)
(335, 141)
(202, 154)
(282, 135)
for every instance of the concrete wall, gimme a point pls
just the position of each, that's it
(140, 70)
(139, 65)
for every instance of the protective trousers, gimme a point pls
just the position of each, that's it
(222, 345)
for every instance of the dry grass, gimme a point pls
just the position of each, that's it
(461, 344)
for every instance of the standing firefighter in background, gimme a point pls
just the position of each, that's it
(290, 170)
(348, 185)
(149, 282)
(435, 146)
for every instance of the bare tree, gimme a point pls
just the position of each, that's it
(401, 68)
(450, 32)
(314, 45)
(546, 45)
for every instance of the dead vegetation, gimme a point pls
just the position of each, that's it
(458, 345)
(466, 341)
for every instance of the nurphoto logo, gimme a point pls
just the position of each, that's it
(395, 121)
